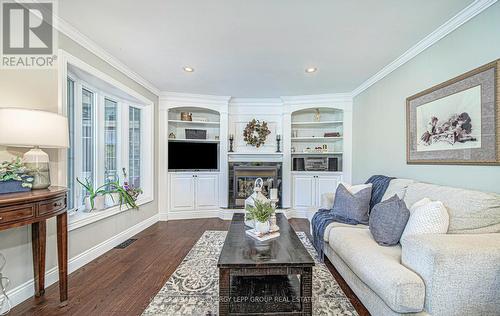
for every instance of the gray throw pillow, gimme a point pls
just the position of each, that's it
(388, 220)
(352, 206)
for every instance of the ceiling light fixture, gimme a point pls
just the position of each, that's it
(188, 69)
(310, 70)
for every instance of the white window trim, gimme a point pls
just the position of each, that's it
(81, 219)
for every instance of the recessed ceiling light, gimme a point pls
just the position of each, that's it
(188, 69)
(311, 70)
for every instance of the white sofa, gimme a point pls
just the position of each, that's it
(448, 274)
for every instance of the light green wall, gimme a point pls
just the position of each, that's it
(38, 89)
(379, 144)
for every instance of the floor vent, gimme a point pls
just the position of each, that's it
(125, 244)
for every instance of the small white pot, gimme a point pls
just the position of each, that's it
(99, 203)
(262, 227)
(112, 199)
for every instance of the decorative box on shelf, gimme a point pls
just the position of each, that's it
(196, 133)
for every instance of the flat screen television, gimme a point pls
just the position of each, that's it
(193, 156)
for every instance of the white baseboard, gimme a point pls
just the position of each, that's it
(26, 290)
(192, 214)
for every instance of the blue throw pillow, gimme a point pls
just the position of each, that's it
(388, 220)
(352, 206)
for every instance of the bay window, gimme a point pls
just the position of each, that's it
(106, 135)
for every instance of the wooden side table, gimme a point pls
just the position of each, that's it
(34, 208)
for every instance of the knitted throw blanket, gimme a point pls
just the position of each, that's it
(324, 217)
(379, 186)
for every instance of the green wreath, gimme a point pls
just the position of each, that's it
(256, 133)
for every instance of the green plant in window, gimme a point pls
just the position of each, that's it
(124, 196)
(92, 192)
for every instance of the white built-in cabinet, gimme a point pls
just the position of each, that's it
(308, 187)
(309, 126)
(193, 191)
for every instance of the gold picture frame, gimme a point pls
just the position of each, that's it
(477, 90)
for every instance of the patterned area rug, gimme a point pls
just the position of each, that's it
(194, 286)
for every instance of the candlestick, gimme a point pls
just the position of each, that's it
(231, 138)
(278, 139)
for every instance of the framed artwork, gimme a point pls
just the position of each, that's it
(456, 122)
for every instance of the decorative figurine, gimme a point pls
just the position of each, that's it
(171, 135)
(317, 115)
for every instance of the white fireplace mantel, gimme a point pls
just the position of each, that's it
(255, 157)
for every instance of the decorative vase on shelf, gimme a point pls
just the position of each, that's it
(262, 227)
(317, 115)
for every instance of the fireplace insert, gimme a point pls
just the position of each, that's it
(242, 176)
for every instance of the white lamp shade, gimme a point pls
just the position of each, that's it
(28, 128)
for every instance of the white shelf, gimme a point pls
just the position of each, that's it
(318, 172)
(193, 140)
(301, 139)
(234, 153)
(316, 123)
(319, 153)
(194, 122)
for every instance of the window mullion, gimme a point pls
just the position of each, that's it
(77, 163)
(124, 150)
(99, 140)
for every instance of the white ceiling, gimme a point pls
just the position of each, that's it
(257, 48)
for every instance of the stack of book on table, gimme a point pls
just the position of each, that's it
(262, 237)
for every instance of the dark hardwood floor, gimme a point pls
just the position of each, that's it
(123, 281)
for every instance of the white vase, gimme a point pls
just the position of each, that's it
(99, 203)
(112, 199)
(262, 227)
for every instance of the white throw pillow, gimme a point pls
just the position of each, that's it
(426, 217)
(419, 203)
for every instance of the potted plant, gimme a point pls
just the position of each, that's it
(133, 191)
(95, 198)
(260, 213)
(14, 177)
(120, 193)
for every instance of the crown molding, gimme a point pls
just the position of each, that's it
(449, 26)
(71, 32)
(169, 99)
(318, 98)
(267, 102)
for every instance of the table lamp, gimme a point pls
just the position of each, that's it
(34, 129)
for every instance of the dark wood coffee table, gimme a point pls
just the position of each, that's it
(273, 277)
